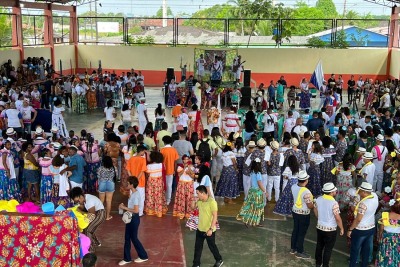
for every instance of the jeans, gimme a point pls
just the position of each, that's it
(325, 243)
(126, 124)
(361, 240)
(131, 235)
(169, 179)
(247, 135)
(350, 93)
(27, 127)
(322, 100)
(198, 247)
(106, 186)
(300, 227)
(272, 100)
(45, 101)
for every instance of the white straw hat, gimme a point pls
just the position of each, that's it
(366, 187)
(302, 176)
(368, 155)
(329, 187)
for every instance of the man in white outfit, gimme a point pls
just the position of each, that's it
(142, 114)
(379, 153)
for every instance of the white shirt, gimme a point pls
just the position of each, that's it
(141, 109)
(109, 113)
(379, 163)
(289, 124)
(269, 127)
(126, 115)
(142, 81)
(19, 104)
(304, 210)
(386, 101)
(326, 214)
(370, 172)
(368, 208)
(200, 63)
(300, 128)
(93, 201)
(227, 158)
(13, 116)
(396, 139)
(183, 119)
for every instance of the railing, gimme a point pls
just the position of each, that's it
(214, 32)
(7, 29)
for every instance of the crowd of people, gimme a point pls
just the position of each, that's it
(329, 161)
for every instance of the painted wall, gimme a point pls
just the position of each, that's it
(12, 54)
(395, 63)
(265, 63)
(37, 52)
(65, 53)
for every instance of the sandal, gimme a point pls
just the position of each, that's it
(109, 218)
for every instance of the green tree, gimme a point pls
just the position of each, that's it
(328, 8)
(238, 11)
(5, 29)
(159, 13)
(202, 18)
(304, 27)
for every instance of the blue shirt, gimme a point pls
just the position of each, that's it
(255, 177)
(271, 91)
(77, 174)
(314, 124)
(134, 199)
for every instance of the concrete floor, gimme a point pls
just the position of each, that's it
(169, 243)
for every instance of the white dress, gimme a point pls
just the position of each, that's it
(231, 124)
(57, 120)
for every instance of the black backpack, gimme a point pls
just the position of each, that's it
(204, 150)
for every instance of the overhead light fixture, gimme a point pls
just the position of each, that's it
(100, 5)
(21, 5)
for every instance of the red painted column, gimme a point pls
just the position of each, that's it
(16, 22)
(393, 37)
(48, 32)
(73, 36)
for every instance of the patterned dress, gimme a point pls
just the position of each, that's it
(171, 95)
(298, 154)
(314, 182)
(155, 202)
(388, 252)
(328, 165)
(305, 100)
(184, 194)
(46, 180)
(285, 203)
(195, 124)
(344, 183)
(10, 184)
(228, 185)
(252, 211)
(341, 149)
(240, 164)
(92, 165)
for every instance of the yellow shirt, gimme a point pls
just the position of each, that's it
(206, 208)
(149, 142)
(160, 136)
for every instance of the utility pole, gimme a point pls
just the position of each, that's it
(164, 13)
(91, 21)
(344, 13)
(97, 30)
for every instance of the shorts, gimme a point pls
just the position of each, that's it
(106, 186)
(32, 176)
(200, 73)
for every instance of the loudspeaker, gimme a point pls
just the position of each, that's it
(246, 96)
(246, 78)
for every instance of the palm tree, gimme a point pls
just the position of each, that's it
(238, 11)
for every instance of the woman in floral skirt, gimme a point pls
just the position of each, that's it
(171, 94)
(91, 152)
(46, 180)
(345, 172)
(155, 202)
(240, 151)
(8, 175)
(252, 211)
(315, 157)
(184, 192)
(389, 236)
(228, 186)
(285, 203)
(328, 151)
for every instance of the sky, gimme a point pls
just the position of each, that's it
(149, 7)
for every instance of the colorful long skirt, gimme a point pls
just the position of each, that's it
(124, 179)
(4, 181)
(46, 188)
(344, 183)
(13, 191)
(155, 202)
(89, 184)
(193, 221)
(193, 129)
(172, 99)
(305, 101)
(101, 101)
(285, 202)
(388, 254)
(228, 184)
(91, 99)
(314, 182)
(183, 200)
(57, 200)
(239, 162)
(252, 211)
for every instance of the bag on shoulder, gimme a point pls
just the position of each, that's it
(204, 150)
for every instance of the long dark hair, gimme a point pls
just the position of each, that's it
(132, 141)
(293, 164)
(239, 143)
(159, 110)
(215, 133)
(194, 139)
(256, 166)
(203, 171)
(347, 160)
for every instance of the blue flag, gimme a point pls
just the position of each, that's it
(317, 78)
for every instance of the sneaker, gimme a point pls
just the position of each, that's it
(292, 251)
(218, 263)
(123, 262)
(302, 255)
(139, 260)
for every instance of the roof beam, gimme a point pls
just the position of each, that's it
(35, 5)
(387, 3)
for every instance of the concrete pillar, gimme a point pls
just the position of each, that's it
(393, 37)
(48, 32)
(17, 38)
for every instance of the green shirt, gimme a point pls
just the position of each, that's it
(206, 208)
